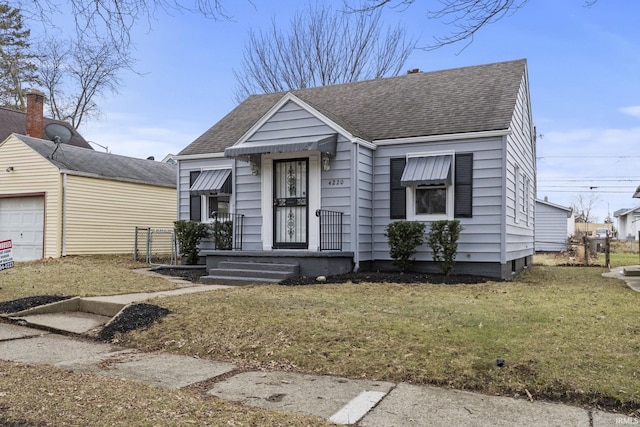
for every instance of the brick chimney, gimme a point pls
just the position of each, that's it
(35, 114)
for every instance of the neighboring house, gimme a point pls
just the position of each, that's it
(554, 225)
(628, 223)
(58, 200)
(314, 176)
(32, 122)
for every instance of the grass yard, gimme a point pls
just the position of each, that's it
(78, 276)
(566, 333)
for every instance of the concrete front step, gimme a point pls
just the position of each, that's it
(236, 281)
(262, 266)
(632, 271)
(243, 273)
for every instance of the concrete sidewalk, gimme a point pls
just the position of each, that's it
(340, 400)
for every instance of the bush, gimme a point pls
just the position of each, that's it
(404, 237)
(189, 234)
(443, 241)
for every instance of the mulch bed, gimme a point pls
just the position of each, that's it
(194, 275)
(131, 318)
(26, 303)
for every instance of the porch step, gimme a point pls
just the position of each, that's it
(244, 273)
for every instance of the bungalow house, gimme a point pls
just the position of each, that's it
(628, 223)
(312, 177)
(67, 199)
(554, 224)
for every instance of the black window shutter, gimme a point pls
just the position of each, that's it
(464, 186)
(195, 202)
(398, 193)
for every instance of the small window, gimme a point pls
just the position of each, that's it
(431, 200)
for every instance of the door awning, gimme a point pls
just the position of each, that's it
(212, 182)
(428, 170)
(324, 144)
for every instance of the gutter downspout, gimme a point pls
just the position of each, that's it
(503, 234)
(64, 216)
(355, 238)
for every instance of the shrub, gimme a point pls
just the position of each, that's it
(189, 234)
(443, 241)
(404, 237)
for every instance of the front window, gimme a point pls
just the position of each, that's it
(431, 200)
(218, 204)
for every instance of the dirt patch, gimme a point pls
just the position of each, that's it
(190, 274)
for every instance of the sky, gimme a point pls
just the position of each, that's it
(583, 65)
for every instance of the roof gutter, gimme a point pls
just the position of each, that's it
(444, 137)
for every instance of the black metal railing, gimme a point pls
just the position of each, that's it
(226, 231)
(330, 230)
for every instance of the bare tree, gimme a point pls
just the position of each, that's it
(322, 47)
(75, 74)
(114, 18)
(583, 208)
(465, 16)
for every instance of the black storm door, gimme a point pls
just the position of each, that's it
(290, 204)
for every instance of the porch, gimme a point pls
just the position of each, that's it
(238, 267)
(228, 262)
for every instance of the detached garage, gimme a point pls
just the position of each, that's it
(554, 225)
(67, 200)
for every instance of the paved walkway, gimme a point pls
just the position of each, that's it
(340, 400)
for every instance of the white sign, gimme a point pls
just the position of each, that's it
(6, 257)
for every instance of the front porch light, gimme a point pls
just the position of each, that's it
(325, 162)
(255, 166)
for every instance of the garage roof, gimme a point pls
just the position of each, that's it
(80, 161)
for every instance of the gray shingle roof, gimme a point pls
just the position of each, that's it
(13, 121)
(469, 99)
(104, 165)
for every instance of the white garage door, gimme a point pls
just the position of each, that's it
(22, 222)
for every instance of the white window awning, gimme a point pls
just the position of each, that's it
(427, 170)
(326, 145)
(212, 182)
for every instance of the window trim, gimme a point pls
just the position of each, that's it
(450, 194)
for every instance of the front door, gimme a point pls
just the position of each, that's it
(290, 204)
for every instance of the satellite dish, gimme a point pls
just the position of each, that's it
(60, 134)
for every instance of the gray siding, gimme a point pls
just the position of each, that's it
(365, 202)
(551, 228)
(520, 168)
(480, 239)
(287, 124)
